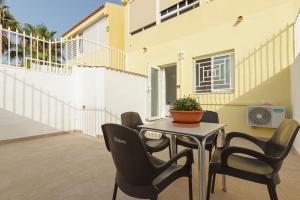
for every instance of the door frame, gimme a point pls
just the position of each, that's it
(149, 117)
(164, 85)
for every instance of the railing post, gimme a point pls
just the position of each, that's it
(66, 52)
(49, 59)
(24, 49)
(17, 50)
(61, 52)
(8, 49)
(55, 52)
(77, 47)
(37, 52)
(31, 53)
(44, 57)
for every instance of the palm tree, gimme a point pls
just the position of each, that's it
(41, 31)
(7, 19)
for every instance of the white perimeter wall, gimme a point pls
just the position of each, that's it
(131, 95)
(33, 103)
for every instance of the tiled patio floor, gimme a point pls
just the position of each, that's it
(77, 167)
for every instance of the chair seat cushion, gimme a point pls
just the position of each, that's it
(168, 176)
(244, 163)
(155, 145)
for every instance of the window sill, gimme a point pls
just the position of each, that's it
(216, 92)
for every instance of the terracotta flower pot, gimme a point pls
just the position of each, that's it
(187, 116)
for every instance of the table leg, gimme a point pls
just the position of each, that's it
(201, 172)
(173, 145)
(223, 176)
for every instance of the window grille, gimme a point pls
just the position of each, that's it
(215, 73)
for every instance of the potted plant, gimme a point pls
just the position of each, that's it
(186, 110)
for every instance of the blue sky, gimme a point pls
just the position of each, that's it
(58, 15)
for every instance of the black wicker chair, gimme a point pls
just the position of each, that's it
(259, 167)
(133, 120)
(209, 117)
(139, 174)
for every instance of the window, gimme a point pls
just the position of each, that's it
(214, 74)
(177, 9)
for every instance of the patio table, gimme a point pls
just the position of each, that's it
(199, 132)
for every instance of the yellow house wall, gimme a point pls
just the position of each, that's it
(115, 22)
(116, 25)
(101, 57)
(263, 44)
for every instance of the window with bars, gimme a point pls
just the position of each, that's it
(215, 73)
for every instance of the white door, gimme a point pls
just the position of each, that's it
(154, 92)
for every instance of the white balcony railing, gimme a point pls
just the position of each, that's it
(22, 50)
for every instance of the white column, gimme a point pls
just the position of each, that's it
(297, 36)
(0, 43)
(157, 11)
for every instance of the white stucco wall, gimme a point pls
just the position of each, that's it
(33, 103)
(131, 95)
(90, 99)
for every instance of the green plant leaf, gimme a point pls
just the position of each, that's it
(187, 104)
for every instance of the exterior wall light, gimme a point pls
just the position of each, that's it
(238, 20)
(145, 49)
(180, 55)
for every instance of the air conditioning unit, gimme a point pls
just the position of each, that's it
(265, 116)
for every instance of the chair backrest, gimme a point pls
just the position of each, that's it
(282, 140)
(129, 155)
(210, 117)
(131, 120)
